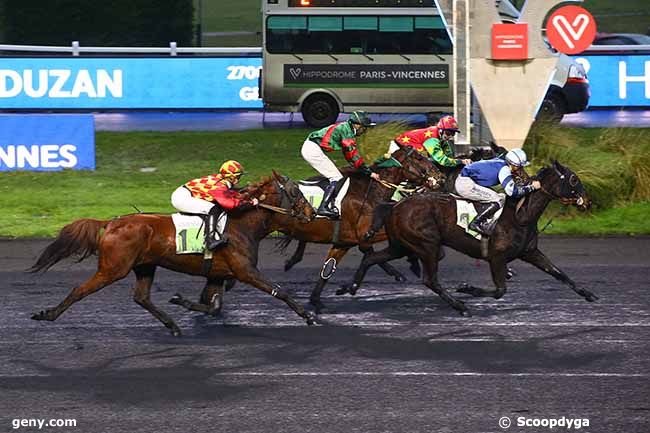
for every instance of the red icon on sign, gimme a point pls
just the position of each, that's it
(510, 41)
(571, 29)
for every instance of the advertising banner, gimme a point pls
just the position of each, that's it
(133, 83)
(342, 75)
(618, 81)
(47, 142)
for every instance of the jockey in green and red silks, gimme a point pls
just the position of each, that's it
(433, 140)
(339, 136)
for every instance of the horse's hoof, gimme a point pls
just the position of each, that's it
(176, 299)
(310, 319)
(510, 273)
(343, 290)
(590, 297)
(400, 278)
(41, 315)
(176, 332)
(465, 313)
(288, 265)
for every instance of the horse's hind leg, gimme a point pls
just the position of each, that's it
(104, 276)
(334, 256)
(296, 257)
(210, 302)
(141, 295)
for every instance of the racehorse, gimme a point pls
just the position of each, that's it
(381, 211)
(421, 223)
(142, 242)
(362, 196)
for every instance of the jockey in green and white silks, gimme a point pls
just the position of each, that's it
(475, 182)
(339, 136)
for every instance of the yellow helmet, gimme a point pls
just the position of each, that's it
(231, 169)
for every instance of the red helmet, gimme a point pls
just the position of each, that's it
(231, 169)
(448, 123)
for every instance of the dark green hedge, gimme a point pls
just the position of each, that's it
(98, 23)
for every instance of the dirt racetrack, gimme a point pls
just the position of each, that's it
(394, 358)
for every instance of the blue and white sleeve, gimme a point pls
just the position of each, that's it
(509, 186)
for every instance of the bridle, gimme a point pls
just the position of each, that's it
(426, 176)
(289, 199)
(572, 183)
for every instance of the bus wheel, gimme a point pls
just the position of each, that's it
(319, 110)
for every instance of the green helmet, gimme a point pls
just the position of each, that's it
(361, 118)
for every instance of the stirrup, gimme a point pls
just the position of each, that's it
(213, 244)
(478, 228)
(369, 235)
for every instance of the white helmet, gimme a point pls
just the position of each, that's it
(517, 157)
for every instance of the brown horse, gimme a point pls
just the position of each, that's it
(142, 242)
(421, 223)
(362, 197)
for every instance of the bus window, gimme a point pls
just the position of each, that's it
(357, 35)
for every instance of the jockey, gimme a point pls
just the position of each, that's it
(339, 136)
(210, 195)
(475, 180)
(434, 140)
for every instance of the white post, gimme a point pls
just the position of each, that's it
(461, 74)
(172, 48)
(75, 48)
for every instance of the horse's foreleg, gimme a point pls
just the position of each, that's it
(144, 275)
(334, 255)
(370, 259)
(296, 257)
(251, 275)
(210, 302)
(540, 261)
(387, 267)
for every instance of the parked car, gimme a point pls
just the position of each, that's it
(621, 39)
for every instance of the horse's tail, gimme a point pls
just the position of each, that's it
(78, 238)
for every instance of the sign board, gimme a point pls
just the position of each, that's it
(571, 29)
(510, 41)
(131, 83)
(47, 142)
(342, 75)
(618, 81)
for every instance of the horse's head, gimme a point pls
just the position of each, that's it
(559, 182)
(290, 198)
(417, 168)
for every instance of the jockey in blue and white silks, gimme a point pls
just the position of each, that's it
(475, 182)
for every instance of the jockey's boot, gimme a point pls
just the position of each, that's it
(213, 239)
(379, 214)
(481, 222)
(327, 208)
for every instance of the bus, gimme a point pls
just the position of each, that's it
(324, 57)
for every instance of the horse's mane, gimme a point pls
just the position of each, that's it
(254, 188)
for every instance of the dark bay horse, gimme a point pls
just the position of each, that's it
(356, 214)
(142, 242)
(421, 223)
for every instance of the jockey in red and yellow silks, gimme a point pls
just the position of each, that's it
(339, 136)
(211, 194)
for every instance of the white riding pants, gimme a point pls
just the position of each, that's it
(467, 188)
(183, 200)
(314, 155)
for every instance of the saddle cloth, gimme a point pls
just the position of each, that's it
(314, 193)
(466, 212)
(189, 232)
